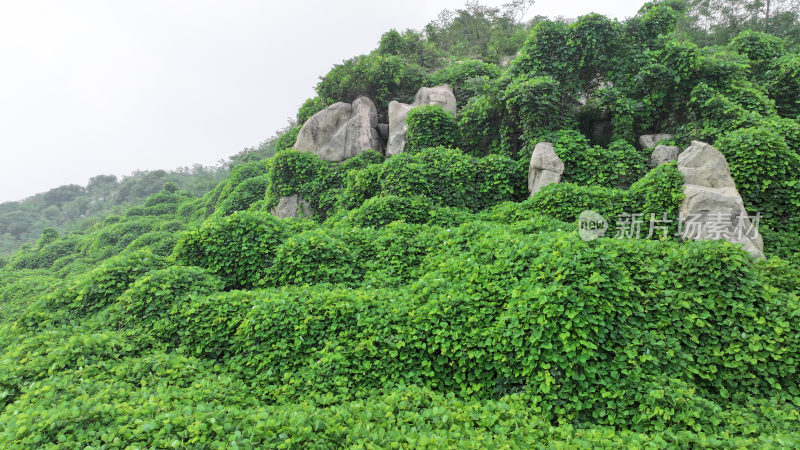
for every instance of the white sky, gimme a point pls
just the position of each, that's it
(91, 87)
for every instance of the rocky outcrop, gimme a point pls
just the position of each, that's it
(648, 141)
(663, 154)
(438, 95)
(397, 128)
(341, 131)
(291, 206)
(713, 208)
(545, 167)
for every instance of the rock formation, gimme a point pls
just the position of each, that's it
(341, 131)
(438, 95)
(713, 208)
(291, 206)
(663, 154)
(545, 168)
(648, 141)
(397, 127)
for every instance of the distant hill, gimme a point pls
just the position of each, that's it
(74, 207)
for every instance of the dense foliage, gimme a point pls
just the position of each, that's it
(427, 300)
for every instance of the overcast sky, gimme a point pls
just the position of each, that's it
(109, 87)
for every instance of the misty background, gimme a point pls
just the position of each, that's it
(98, 87)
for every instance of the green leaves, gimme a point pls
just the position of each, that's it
(421, 306)
(430, 126)
(533, 103)
(764, 169)
(447, 177)
(238, 248)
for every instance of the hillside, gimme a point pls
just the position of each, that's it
(411, 267)
(72, 208)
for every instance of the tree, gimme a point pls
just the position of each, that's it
(723, 19)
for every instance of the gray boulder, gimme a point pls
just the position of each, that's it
(341, 131)
(438, 95)
(291, 206)
(648, 141)
(703, 165)
(545, 167)
(663, 154)
(397, 128)
(713, 208)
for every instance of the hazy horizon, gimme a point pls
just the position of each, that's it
(94, 88)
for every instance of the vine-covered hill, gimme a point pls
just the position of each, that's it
(426, 299)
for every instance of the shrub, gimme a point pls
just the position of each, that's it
(160, 243)
(244, 195)
(480, 125)
(720, 67)
(19, 290)
(172, 226)
(111, 240)
(92, 291)
(239, 175)
(566, 201)
(783, 85)
(287, 139)
(238, 248)
(533, 103)
(400, 250)
(430, 126)
(789, 129)
(313, 257)
(618, 166)
(382, 78)
(146, 304)
(309, 108)
(764, 170)
(782, 274)
(380, 211)
(750, 97)
(658, 195)
(293, 172)
(446, 176)
(359, 185)
(459, 74)
(498, 179)
(760, 48)
(46, 252)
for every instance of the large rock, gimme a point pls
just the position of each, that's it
(397, 128)
(663, 154)
(704, 165)
(341, 131)
(291, 206)
(648, 141)
(545, 167)
(438, 95)
(713, 208)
